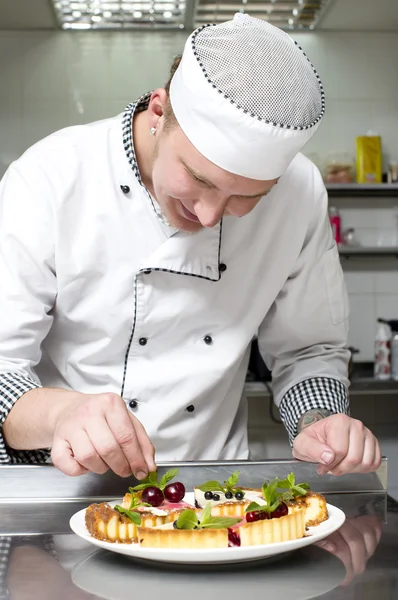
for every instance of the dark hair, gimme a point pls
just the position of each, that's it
(170, 120)
(173, 69)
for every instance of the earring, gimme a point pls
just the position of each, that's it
(152, 130)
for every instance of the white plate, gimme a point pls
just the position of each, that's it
(218, 555)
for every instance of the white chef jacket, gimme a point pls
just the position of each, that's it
(99, 295)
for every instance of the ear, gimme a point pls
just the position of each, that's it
(156, 108)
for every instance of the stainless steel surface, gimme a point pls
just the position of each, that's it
(53, 564)
(25, 490)
(24, 483)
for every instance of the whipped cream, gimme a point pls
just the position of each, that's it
(153, 510)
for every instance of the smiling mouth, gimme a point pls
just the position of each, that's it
(188, 215)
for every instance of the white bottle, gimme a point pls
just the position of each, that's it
(382, 365)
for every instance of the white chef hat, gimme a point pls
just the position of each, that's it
(246, 96)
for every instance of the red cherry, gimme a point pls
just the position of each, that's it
(233, 538)
(153, 496)
(174, 492)
(281, 511)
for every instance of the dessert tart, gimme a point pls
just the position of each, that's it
(190, 530)
(226, 500)
(146, 504)
(271, 520)
(299, 494)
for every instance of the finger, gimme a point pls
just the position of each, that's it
(85, 453)
(309, 448)
(369, 458)
(337, 546)
(350, 447)
(356, 543)
(371, 530)
(125, 434)
(107, 447)
(147, 447)
(63, 459)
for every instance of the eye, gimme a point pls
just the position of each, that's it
(198, 180)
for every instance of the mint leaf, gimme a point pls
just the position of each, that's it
(253, 506)
(206, 514)
(219, 523)
(300, 489)
(167, 477)
(231, 482)
(291, 479)
(287, 495)
(132, 515)
(211, 486)
(188, 519)
(140, 487)
(284, 484)
(153, 477)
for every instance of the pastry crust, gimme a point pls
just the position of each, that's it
(157, 537)
(284, 529)
(315, 507)
(108, 525)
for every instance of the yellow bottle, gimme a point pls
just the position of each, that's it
(369, 159)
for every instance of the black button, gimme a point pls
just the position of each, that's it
(208, 340)
(222, 267)
(125, 189)
(142, 341)
(133, 404)
(147, 272)
(190, 408)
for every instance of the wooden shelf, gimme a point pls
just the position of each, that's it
(378, 190)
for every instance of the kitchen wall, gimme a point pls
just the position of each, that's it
(52, 80)
(49, 80)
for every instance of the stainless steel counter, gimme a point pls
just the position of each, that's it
(40, 559)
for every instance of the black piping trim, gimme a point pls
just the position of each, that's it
(134, 107)
(158, 269)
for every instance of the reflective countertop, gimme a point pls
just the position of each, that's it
(358, 561)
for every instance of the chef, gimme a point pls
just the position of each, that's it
(140, 256)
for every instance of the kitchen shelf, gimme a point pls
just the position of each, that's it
(348, 251)
(378, 190)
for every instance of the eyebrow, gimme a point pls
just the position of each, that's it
(203, 179)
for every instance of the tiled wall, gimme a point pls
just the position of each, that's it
(51, 80)
(372, 283)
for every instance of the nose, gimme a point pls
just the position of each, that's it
(210, 211)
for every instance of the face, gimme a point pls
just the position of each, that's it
(193, 192)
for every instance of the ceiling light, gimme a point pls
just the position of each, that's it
(137, 14)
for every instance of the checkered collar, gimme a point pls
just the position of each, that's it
(128, 143)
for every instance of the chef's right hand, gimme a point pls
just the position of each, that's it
(97, 433)
(354, 543)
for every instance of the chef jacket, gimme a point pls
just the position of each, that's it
(99, 294)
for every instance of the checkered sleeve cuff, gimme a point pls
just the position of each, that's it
(312, 394)
(5, 547)
(12, 387)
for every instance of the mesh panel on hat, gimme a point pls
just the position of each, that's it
(262, 70)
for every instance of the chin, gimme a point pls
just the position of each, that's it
(179, 221)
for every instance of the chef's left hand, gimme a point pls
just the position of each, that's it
(339, 444)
